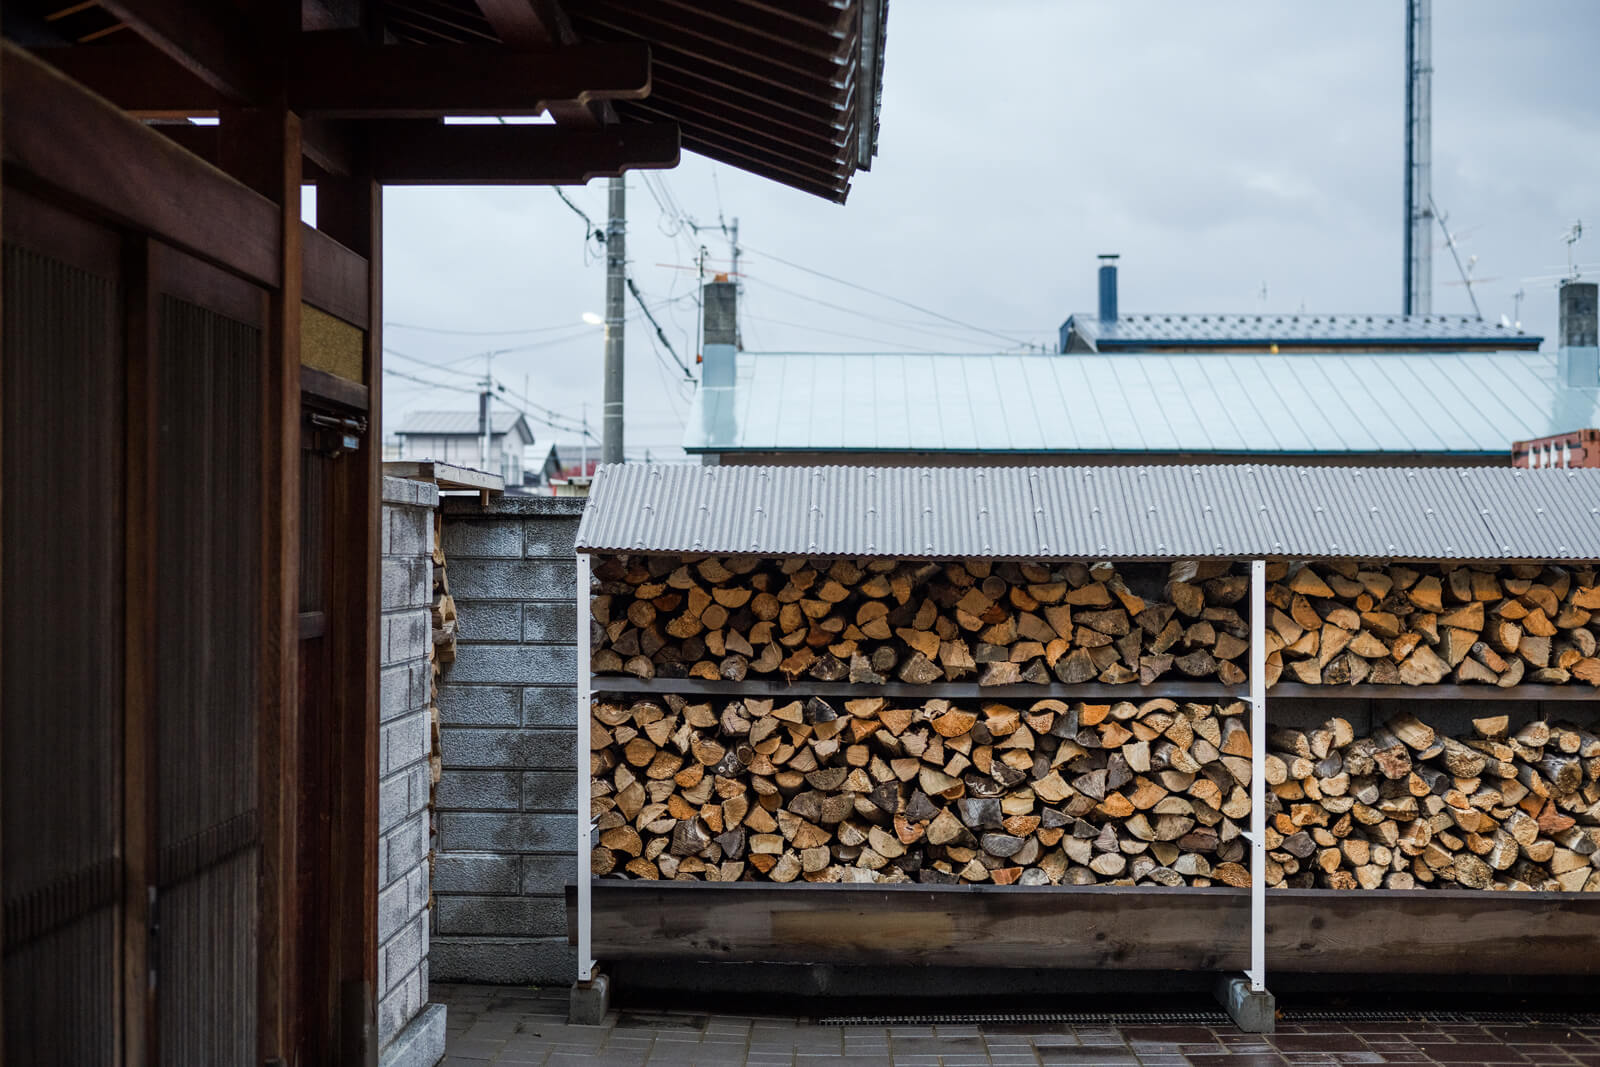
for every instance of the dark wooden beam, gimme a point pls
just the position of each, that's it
(431, 153)
(132, 174)
(138, 77)
(335, 279)
(350, 212)
(334, 78)
(529, 25)
(204, 38)
(1430, 931)
(261, 147)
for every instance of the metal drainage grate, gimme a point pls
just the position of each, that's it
(1210, 1017)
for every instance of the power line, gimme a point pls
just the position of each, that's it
(862, 314)
(480, 333)
(634, 289)
(445, 368)
(424, 381)
(853, 336)
(887, 296)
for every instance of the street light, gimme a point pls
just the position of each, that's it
(592, 319)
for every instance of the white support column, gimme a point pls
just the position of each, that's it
(585, 820)
(1258, 779)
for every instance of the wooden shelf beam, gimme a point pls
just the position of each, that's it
(766, 687)
(769, 687)
(1085, 927)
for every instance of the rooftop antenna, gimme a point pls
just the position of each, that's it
(1516, 307)
(1572, 236)
(1472, 261)
(1419, 158)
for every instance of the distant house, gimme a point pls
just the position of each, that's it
(1109, 331)
(543, 464)
(452, 437)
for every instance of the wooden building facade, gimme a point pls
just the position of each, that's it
(190, 413)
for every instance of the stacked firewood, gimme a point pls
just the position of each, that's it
(1334, 623)
(1342, 623)
(880, 620)
(441, 651)
(1409, 808)
(867, 790)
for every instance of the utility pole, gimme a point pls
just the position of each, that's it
(616, 267)
(483, 412)
(1419, 158)
(738, 285)
(583, 444)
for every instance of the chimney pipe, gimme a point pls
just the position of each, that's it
(720, 350)
(1108, 287)
(1578, 357)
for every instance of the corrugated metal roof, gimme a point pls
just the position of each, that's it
(1241, 511)
(1294, 403)
(1139, 331)
(459, 423)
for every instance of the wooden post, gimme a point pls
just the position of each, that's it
(350, 210)
(140, 603)
(261, 147)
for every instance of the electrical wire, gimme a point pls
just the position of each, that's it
(894, 323)
(480, 333)
(886, 296)
(634, 289)
(424, 381)
(853, 336)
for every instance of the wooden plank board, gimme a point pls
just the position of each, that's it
(446, 475)
(966, 926)
(1308, 930)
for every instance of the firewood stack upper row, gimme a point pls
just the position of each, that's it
(872, 621)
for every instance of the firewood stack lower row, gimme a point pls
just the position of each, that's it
(1154, 793)
(1339, 622)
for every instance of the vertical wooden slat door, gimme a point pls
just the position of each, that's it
(209, 347)
(62, 632)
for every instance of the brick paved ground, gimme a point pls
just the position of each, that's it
(515, 1027)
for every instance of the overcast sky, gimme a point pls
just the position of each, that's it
(1240, 156)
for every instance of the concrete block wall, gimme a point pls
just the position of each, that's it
(409, 1029)
(508, 733)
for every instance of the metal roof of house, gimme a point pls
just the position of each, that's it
(1143, 331)
(1178, 512)
(1356, 403)
(460, 423)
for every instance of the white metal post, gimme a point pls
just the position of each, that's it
(1258, 777)
(585, 806)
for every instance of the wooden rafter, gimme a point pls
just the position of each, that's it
(200, 38)
(538, 26)
(431, 153)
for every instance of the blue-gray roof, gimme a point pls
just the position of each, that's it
(1141, 332)
(460, 423)
(1472, 403)
(1145, 512)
